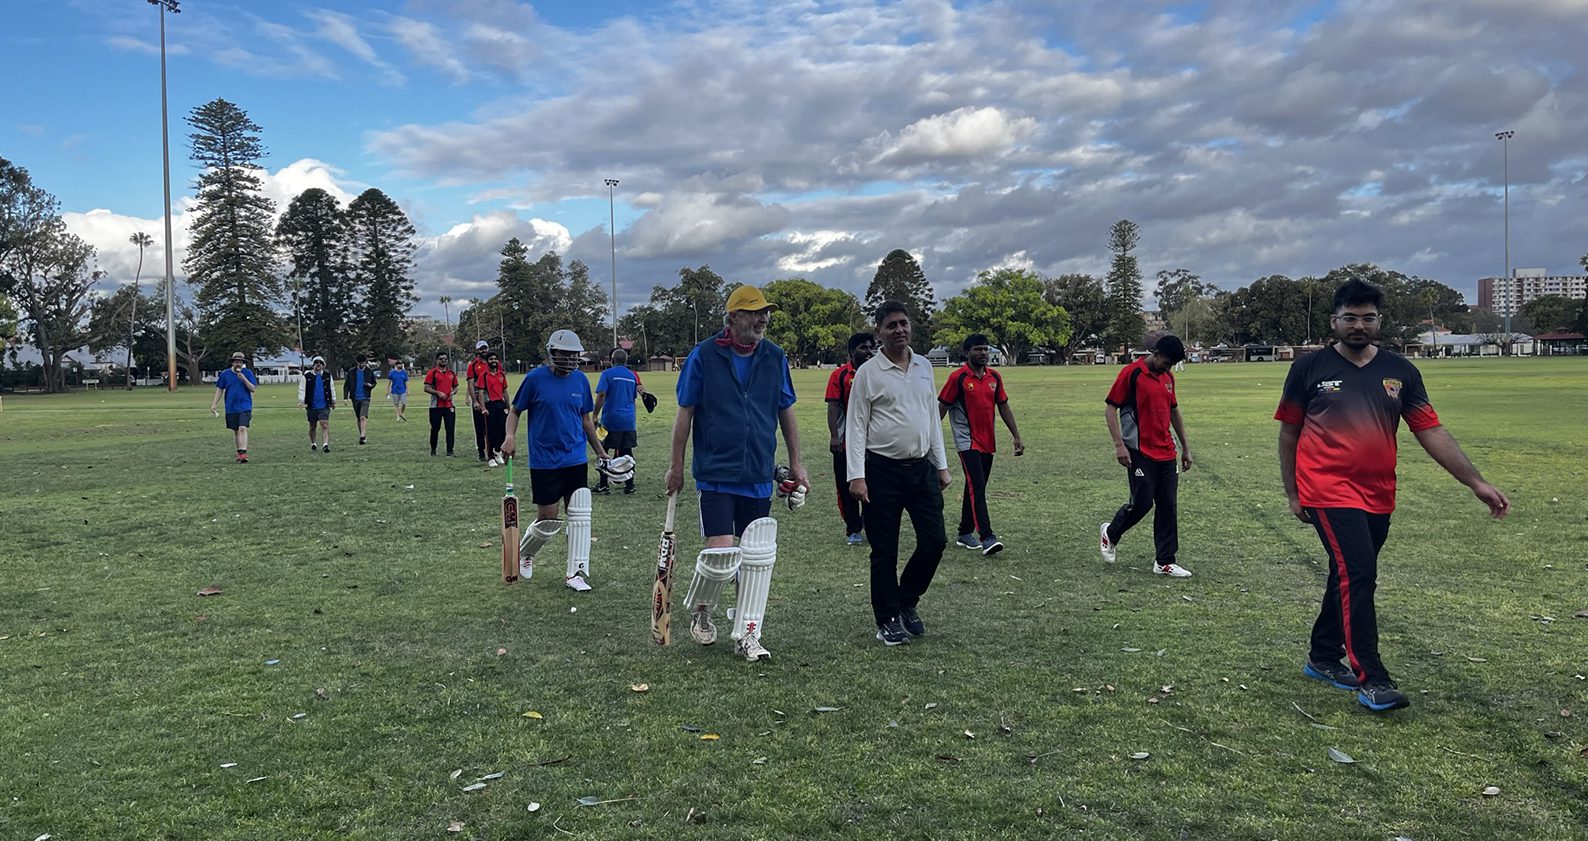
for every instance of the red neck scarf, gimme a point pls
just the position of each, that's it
(727, 340)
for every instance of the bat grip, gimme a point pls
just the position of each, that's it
(509, 474)
(672, 506)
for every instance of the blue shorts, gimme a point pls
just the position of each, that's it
(724, 514)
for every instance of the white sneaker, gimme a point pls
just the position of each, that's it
(1105, 547)
(577, 583)
(526, 567)
(752, 649)
(492, 462)
(1171, 570)
(701, 627)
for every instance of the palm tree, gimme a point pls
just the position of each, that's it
(142, 240)
(446, 315)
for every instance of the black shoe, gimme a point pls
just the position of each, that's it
(892, 633)
(601, 489)
(912, 622)
(482, 455)
(1335, 674)
(451, 454)
(361, 440)
(326, 448)
(1381, 696)
(628, 490)
(432, 453)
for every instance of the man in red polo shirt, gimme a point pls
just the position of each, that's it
(440, 384)
(490, 391)
(862, 346)
(970, 398)
(472, 372)
(1141, 409)
(1339, 414)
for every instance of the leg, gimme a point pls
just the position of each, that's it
(435, 428)
(714, 568)
(1142, 481)
(924, 501)
(540, 531)
(883, 516)
(1166, 513)
(757, 555)
(325, 433)
(477, 412)
(578, 577)
(1349, 541)
(848, 506)
(450, 417)
(973, 517)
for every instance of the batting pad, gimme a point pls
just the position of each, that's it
(757, 553)
(579, 533)
(714, 568)
(536, 536)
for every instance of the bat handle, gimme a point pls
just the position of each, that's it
(510, 474)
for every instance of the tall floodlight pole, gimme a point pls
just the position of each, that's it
(612, 236)
(1505, 145)
(165, 151)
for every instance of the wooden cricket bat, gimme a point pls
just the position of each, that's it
(509, 530)
(662, 592)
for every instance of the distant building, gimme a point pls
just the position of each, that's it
(1527, 285)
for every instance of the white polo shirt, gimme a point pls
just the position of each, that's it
(893, 413)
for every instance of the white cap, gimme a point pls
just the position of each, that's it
(481, 344)
(319, 359)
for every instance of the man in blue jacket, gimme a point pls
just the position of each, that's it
(317, 397)
(359, 387)
(734, 393)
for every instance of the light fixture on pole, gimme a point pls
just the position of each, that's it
(612, 236)
(165, 151)
(1505, 143)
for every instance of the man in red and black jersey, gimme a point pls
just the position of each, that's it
(471, 373)
(489, 389)
(970, 398)
(1339, 414)
(441, 383)
(1141, 409)
(862, 346)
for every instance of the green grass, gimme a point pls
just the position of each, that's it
(122, 693)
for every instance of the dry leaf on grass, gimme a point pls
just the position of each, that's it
(1491, 791)
(211, 590)
(639, 687)
(1341, 756)
(455, 826)
(709, 737)
(534, 715)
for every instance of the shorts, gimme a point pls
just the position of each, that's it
(238, 420)
(399, 399)
(316, 415)
(724, 514)
(360, 408)
(621, 440)
(553, 485)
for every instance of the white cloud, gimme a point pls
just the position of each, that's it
(961, 133)
(697, 224)
(425, 42)
(341, 30)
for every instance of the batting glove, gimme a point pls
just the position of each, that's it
(618, 469)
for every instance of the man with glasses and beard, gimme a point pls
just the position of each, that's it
(441, 383)
(1339, 413)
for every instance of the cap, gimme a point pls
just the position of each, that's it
(1171, 347)
(481, 344)
(239, 355)
(749, 298)
(317, 360)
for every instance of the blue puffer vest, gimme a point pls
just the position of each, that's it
(735, 425)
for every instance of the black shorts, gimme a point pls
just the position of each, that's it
(360, 408)
(317, 415)
(621, 439)
(723, 514)
(554, 485)
(238, 420)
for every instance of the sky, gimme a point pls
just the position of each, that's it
(810, 138)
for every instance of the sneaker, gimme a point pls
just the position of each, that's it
(892, 633)
(854, 539)
(451, 454)
(991, 546)
(526, 564)
(751, 648)
(361, 441)
(702, 628)
(1335, 674)
(1171, 570)
(482, 455)
(969, 541)
(432, 453)
(912, 622)
(314, 448)
(602, 490)
(1382, 695)
(493, 463)
(326, 448)
(628, 490)
(1106, 546)
(242, 459)
(577, 583)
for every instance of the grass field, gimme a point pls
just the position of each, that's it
(370, 578)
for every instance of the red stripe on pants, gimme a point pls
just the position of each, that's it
(1345, 591)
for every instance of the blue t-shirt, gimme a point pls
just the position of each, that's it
(363, 382)
(690, 384)
(399, 381)
(556, 407)
(315, 388)
(621, 386)
(238, 397)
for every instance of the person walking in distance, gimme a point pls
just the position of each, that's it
(441, 382)
(317, 397)
(476, 367)
(1339, 412)
(862, 346)
(896, 463)
(616, 390)
(973, 393)
(556, 398)
(359, 387)
(237, 384)
(734, 394)
(1142, 408)
(490, 391)
(397, 388)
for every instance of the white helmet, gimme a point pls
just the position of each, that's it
(567, 341)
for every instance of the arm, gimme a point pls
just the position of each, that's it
(834, 439)
(508, 439)
(303, 383)
(1444, 449)
(1289, 435)
(247, 381)
(939, 456)
(855, 424)
(1008, 415)
(942, 410)
(601, 400)
(217, 401)
(675, 469)
(791, 438)
(478, 394)
(1121, 453)
(1179, 431)
(590, 435)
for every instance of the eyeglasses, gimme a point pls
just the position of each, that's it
(1365, 320)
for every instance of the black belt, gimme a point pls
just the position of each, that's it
(908, 462)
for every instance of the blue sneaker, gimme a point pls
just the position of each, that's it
(969, 541)
(991, 546)
(912, 622)
(1334, 674)
(855, 539)
(893, 633)
(1381, 696)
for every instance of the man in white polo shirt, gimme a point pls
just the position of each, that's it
(896, 463)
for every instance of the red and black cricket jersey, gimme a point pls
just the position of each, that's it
(1145, 401)
(838, 386)
(1348, 418)
(444, 382)
(493, 384)
(973, 402)
(476, 367)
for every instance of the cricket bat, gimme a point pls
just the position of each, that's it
(662, 592)
(509, 530)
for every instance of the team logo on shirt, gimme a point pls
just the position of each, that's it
(1333, 386)
(970, 386)
(1392, 387)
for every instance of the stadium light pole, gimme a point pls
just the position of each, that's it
(165, 152)
(612, 236)
(1505, 150)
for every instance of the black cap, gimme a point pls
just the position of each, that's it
(1171, 347)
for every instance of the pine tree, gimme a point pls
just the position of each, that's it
(1125, 324)
(899, 278)
(382, 243)
(313, 234)
(231, 261)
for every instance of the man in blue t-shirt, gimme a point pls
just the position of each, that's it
(734, 393)
(237, 385)
(317, 397)
(616, 392)
(359, 387)
(397, 388)
(556, 398)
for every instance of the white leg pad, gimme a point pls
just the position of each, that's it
(579, 533)
(536, 536)
(757, 554)
(714, 568)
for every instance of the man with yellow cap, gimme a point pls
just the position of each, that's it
(734, 393)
